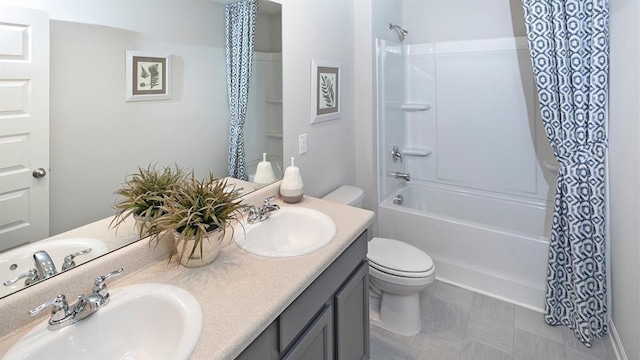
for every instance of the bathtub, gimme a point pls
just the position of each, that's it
(489, 243)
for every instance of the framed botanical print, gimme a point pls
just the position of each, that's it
(148, 76)
(325, 91)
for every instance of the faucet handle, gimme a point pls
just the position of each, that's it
(396, 154)
(253, 212)
(268, 200)
(31, 275)
(250, 209)
(100, 287)
(69, 259)
(59, 308)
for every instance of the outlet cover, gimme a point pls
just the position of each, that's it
(302, 144)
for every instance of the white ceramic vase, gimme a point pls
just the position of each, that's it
(264, 172)
(291, 186)
(142, 225)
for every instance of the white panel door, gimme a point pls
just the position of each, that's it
(24, 126)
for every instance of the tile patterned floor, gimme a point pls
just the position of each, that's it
(458, 324)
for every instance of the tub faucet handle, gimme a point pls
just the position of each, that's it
(396, 154)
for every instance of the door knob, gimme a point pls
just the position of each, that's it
(39, 173)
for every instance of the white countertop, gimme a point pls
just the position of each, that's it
(240, 293)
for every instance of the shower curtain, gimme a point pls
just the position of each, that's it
(569, 44)
(240, 29)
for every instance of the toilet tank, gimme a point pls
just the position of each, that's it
(347, 195)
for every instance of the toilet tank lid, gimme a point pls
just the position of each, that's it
(398, 255)
(347, 195)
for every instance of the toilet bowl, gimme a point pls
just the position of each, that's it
(398, 272)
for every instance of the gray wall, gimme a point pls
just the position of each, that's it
(624, 167)
(321, 30)
(96, 137)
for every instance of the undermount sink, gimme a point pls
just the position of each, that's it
(144, 321)
(290, 231)
(16, 261)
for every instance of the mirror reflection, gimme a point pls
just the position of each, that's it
(87, 138)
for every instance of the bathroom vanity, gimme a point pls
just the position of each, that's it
(303, 307)
(331, 317)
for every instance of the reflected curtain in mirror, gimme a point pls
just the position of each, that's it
(568, 40)
(240, 29)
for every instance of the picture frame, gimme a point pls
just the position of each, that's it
(325, 91)
(148, 76)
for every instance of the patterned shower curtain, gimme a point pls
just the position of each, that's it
(569, 44)
(241, 26)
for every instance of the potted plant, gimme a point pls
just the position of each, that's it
(201, 215)
(143, 194)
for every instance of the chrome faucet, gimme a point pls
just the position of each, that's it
(263, 213)
(44, 268)
(401, 175)
(44, 265)
(63, 315)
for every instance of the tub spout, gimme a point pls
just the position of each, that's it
(401, 175)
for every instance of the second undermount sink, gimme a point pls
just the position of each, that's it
(290, 231)
(144, 321)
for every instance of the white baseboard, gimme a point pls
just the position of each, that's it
(617, 344)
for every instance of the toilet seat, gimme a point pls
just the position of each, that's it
(397, 258)
(406, 282)
(402, 274)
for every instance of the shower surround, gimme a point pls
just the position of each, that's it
(464, 115)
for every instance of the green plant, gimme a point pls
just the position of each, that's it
(326, 87)
(143, 194)
(155, 75)
(143, 73)
(195, 208)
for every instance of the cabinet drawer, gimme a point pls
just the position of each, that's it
(312, 300)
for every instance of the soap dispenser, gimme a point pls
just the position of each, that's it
(264, 172)
(291, 187)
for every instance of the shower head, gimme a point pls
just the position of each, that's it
(402, 33)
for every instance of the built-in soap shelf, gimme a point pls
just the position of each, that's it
(416, 151)
(415, 106)
(551, 166)
(274, 101)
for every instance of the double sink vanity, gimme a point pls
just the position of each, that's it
(265, 297)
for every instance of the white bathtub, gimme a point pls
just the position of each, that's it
(492, 244)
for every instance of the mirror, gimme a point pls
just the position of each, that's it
(97, 138)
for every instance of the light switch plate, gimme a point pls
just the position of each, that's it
(302, 143)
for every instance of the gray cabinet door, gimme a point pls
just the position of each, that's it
(317, 341)
(352, 317)
(265, 347)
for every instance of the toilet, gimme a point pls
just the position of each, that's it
(398, 272)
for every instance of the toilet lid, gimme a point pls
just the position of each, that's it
(397, 255)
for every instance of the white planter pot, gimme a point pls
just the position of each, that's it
(211, 245)
(142, 225)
